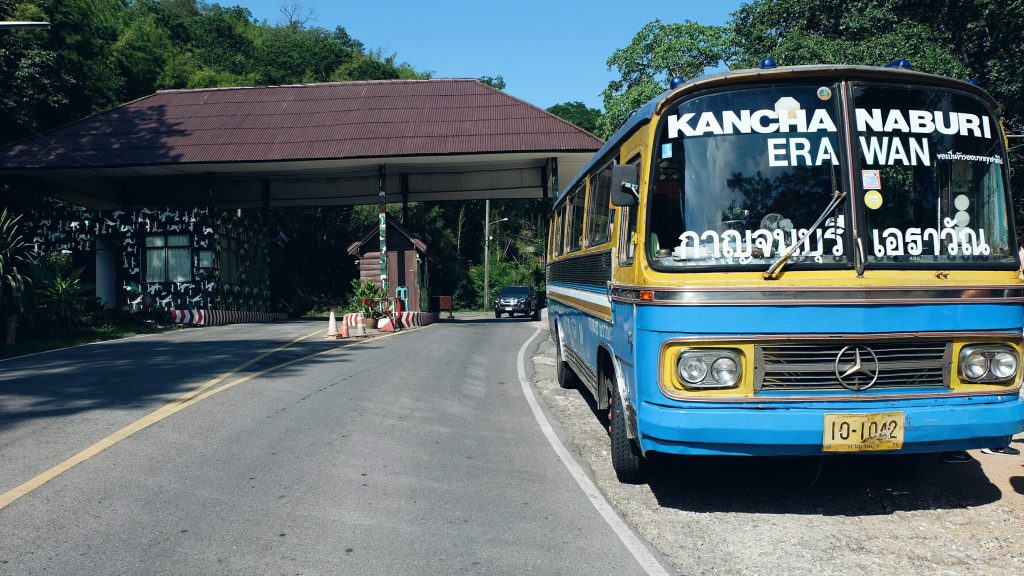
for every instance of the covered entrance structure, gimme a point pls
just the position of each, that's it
(177, 158)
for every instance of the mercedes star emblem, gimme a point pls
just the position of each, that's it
(857, 368)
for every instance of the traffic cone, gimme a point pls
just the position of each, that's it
(344, 329)
(332, 328)
(360, 331)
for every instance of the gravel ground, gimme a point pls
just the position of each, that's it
(799, 516)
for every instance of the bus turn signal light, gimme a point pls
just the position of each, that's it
(646, 295)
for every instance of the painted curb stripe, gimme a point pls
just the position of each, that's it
(629, 539)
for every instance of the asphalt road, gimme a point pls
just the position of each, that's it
(412, 454)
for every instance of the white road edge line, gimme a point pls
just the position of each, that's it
(629, 539)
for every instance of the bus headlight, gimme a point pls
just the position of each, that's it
(707, 368)
(692, 369)
(1003, 365)
(725, 371)
(987, 364)
(976, 366)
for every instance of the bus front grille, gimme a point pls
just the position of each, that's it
(813, 365)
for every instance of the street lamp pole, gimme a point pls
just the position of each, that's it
(487, 250)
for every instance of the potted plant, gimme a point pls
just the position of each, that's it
(367, 298)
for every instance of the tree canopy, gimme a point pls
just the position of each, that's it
(103, 52)
(967, 39)
(579, 114)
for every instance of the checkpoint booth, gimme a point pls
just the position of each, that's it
(406, 260)
(187, 177)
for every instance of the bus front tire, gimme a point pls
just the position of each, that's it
(565, 375)
(629, 464)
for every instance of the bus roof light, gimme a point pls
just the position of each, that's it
(901, 63)
(675, 81)
(767, 63)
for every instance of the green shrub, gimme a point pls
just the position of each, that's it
(64, 300)
(366, 296)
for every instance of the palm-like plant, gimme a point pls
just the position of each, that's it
(14, 257)
(367, 297)
(64, 300)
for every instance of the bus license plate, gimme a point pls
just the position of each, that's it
(862, 432)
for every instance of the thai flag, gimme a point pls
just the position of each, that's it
(282, 238)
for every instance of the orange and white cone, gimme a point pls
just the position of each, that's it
(332, 327)
(344, 329)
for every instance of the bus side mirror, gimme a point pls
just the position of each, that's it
(625, 185)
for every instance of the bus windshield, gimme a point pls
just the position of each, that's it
(931, 177)
(742, 175)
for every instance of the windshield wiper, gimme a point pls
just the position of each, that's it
(773, 271)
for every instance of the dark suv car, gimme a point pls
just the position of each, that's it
(517, 300)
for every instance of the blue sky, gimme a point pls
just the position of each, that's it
(547, 51)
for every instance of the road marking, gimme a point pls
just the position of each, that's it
(184, 401)
(629, 539)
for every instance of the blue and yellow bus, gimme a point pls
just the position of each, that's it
(794, 261)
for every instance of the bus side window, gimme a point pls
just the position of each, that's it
(559, 245)
(627, 227)
(575, 228)
(599, 212)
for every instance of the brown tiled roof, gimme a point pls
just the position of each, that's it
(376, 119)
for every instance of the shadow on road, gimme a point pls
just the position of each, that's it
(144, 372)
(831, 486)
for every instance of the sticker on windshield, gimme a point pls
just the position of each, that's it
(666, 150)
(951, 155)
(962, 202)
(873, 199)
(871, 179)
(824, 93)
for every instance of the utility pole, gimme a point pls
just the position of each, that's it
(487, 250)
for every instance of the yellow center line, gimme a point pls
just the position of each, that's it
(180, 403)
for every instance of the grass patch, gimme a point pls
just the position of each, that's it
(84, 336)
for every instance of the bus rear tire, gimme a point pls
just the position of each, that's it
(628, 462)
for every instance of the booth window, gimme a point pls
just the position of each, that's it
(168, 258)
(229, 249)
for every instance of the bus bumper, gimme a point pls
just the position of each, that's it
(779, 430)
